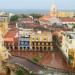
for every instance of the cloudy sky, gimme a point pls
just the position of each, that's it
(36, 4)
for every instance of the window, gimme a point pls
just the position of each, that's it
(24, 47)
(44, 38)
(40, 48)
(27, 47)
(11, 47)
(49, 43)
(49, 48)
(37, 48)
(40, 43)
(33, 43)
(33, 48)
(22, 43)
(44, 43)
(22, 37)
(36, 38)
(44, 48)
(33, 38)
(21, 48)
(36, 43)
(16, 47)
(26, 43)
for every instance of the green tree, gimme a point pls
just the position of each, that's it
(70, 59)
(24, 16)
(36, 15)
(73, 25)
(14, 18)
(20, 72)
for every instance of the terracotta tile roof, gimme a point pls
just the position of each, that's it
(31, 25)
(12, 25)
(68, 19)
(11, 35)
(45, 18)
(26, 20)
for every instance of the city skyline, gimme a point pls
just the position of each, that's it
(37, 4)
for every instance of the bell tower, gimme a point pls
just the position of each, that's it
(53, 12)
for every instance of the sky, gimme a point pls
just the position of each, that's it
(36, 4)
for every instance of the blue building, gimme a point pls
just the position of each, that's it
(24, 43)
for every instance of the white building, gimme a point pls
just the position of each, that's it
(68, 42)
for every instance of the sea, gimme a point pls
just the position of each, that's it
(25, 11)
(30, 11)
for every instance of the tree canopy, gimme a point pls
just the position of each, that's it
(36, 15)
(14, 18)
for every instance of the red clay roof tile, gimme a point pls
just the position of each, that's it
(10, 35)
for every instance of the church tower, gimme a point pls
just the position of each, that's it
(53, 12)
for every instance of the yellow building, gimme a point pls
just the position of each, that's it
(71, 53)
(65, 14)
(4, 24)
(4, 54)
(41, 41)
(54, 12)
(70, 47)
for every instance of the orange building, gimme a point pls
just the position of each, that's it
(11, 39)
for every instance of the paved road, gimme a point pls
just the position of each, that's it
(26, 64)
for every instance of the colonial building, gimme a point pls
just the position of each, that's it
(63, 14)
(66, 43)
(68, 20)
(4, 24)
(71, 47)
(24, 39)
(41, 41)
(11, 39)
(28, 40)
